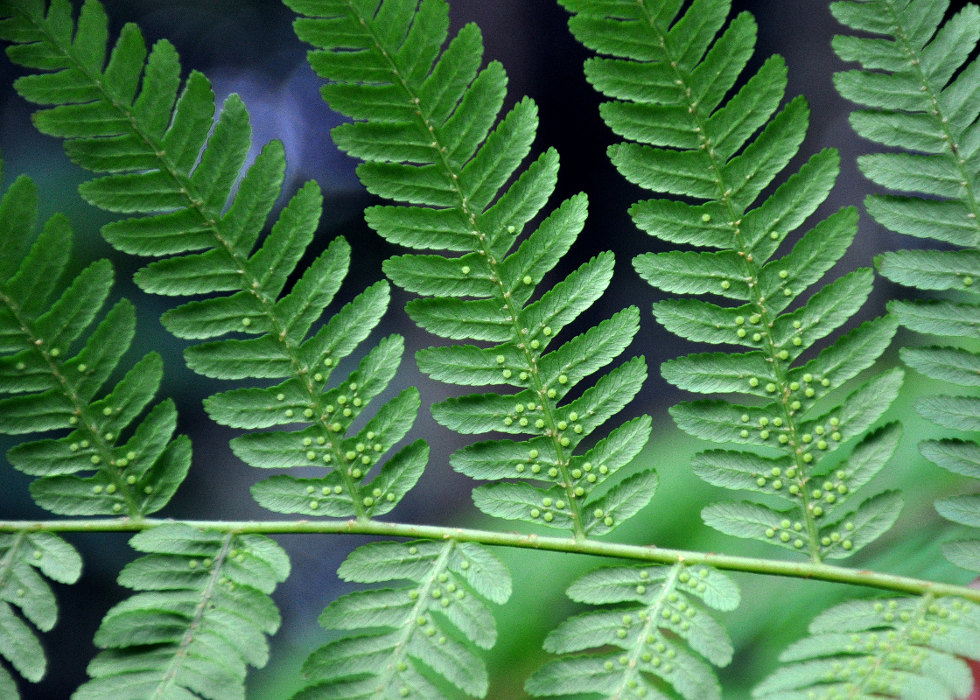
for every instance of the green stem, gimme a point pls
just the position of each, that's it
(640, 553)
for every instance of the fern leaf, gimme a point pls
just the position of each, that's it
(424, 628)
(667, 68)
(885, 648)
(201, 615)
(655, 626)
(917, 92)
(53, 371)
(26, 558)
(425, 129)
(179, 171)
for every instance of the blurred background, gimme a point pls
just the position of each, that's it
(248, 47)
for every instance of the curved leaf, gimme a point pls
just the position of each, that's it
(454, 172)
(668, 68)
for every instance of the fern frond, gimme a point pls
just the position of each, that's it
(654, 627)
(884, 648)
(180, 170)
(427, 627)
(919, 94)
(53, 369)
(24, 557)
(667, 70)
(201, 615)
(425, 129)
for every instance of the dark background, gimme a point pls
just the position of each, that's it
(249, 48)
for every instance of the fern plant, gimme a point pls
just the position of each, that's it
(684, 140)
(482, 265)
(170, 161)
(918, 91)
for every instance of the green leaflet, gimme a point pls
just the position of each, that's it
(655, 627)
(911, 101)
(201, 614)
(53, 372)
(667, 71)
(179, 172)
(426, 128)
(25, 559)
(899, 647)
(416, 628)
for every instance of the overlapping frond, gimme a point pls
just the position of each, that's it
(180, 172)
(53, 369)
(427, 627)
(668, 70)
(920, 97)
(26, 558)
(882, 648)
(200, 617)
(426, 127)
(659, 633)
